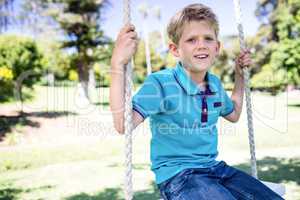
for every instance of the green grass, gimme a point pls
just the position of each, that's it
(94, 169)
(34, 157)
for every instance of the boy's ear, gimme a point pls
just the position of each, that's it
(173, 49)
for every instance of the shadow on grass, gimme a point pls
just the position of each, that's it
(52, 114)
(7, 123)
(8, 96)
(276, 169)
(106, 103)
(107, 194)
(140, 166)
(151, 194)
(9, 192)
(116, 194)
(294, 105)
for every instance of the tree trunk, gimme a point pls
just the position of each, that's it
(83, 74)
(92, 83)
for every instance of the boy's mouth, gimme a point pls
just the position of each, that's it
(201, 56)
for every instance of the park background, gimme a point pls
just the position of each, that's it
(56, 134)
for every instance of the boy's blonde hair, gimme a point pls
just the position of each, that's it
(193, 12)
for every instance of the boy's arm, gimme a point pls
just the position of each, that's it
(117, 101)
(237, 95)
(125, 47)
(237, 98)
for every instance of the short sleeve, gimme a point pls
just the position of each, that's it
(227, 104)
(148, 100)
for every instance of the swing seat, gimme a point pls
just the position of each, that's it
(276, 187)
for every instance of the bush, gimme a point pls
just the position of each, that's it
(20, 63)
(6, 82)
(102, 75)
(73, 75)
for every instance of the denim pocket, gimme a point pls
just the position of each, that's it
(178, 182)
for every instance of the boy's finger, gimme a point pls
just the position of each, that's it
(247, 63)
(245, 55)
(246, 51)
(127, 28)
(132, 35)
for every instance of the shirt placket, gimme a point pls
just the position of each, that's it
(204, 110)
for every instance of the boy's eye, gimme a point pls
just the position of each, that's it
(209, 38)
(192, 40)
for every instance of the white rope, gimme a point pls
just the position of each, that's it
(128, 117)
(247, 91)
(277, 188)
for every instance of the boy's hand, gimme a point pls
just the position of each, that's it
(125, 46)
(243, 60)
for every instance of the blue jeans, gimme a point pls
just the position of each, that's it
(220, 182)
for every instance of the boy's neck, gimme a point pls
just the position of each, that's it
(197, 76)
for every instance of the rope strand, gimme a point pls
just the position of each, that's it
(128, 116)
(247, 91)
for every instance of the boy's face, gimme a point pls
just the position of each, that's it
(198, 46)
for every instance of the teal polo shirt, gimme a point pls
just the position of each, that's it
(183, 120)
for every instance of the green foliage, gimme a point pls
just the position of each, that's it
(6, 81)
(20, 63)
(278, 44)
(79, 20)
(102, 74)
(286, 58)
(56, 60)
(73, 76)
(102, 66)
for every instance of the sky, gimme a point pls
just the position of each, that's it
(224, 9)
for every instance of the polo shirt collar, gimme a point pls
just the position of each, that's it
(189, 85)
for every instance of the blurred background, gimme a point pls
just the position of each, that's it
(56, 134)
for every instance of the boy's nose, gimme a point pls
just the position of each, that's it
(201, 44)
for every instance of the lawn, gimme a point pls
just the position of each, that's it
(73, 153)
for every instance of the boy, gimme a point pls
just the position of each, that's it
(184, 104)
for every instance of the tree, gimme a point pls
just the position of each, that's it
(79, 20)
(57, 60)
(277, 42)
(20, 63)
